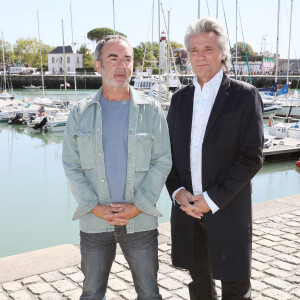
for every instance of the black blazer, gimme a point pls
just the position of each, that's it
(231, 156)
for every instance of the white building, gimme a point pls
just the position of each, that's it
(56, 60)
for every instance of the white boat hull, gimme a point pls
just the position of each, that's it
(294, 133)
(285, 110)
(56, 126)
(32, 87)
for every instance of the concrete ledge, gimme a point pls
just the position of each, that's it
(39, 261)
(50, 259)
(276, 207)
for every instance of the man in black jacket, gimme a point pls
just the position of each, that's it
(216, 132)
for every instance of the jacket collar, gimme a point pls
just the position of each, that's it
(136, 97)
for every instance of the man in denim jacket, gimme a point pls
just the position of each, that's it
(116, 156)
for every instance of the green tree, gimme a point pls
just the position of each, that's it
(88, 57)
(28, 51)
(147, 46)
(8, 54)
(148, 59)
(241, 49)
(175, 45)
(36, 60)
(139, 53)
(138, 56)
(98, 34)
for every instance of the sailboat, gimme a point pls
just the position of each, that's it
(39, 100)
(159, 86)
(290, 104)
(4, 95)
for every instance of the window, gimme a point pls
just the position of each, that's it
(68, 59)
(78, 59)
(69, 68)
(53, 60)
(60, 59)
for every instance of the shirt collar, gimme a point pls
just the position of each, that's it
(136, 96)
(215, 82)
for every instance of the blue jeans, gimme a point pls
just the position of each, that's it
(98, 251)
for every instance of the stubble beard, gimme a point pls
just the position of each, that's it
(111, 82)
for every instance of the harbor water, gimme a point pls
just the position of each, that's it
(37, 205)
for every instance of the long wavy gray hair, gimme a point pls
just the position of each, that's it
(210, 25)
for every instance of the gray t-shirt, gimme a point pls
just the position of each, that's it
(115, 115)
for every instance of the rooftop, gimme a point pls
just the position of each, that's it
(59, 50)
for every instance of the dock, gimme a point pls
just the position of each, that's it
(282, 149)
(54, 273)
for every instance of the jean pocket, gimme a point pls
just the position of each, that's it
(143, 150)
(86, 144)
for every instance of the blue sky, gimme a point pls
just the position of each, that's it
(133, 18)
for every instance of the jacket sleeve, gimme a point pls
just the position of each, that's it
(147, 193)
(80, 188)
(173, 181)
(250, 158)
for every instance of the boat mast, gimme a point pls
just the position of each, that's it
(4, 67)
(198, 9)
(114, 17)
(236, 42)
(288, 64)
(170, 48)
(74, 54)
(41, 58)
(152, 38)
(159, 50)
(277, 44)
(168, 56)
(64, 54)
(217, 9)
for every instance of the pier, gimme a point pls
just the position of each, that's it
(282, 149)
(54, 273)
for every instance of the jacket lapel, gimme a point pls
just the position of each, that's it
(187, 118)
(187, 112)
(218, 105)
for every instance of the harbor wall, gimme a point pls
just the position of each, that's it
(95, 81)
(54, 81)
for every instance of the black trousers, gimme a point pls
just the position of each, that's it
(202, 286)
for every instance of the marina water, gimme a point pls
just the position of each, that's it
(37, 205)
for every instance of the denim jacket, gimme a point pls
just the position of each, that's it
(149, 161)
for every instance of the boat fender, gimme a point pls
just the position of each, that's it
(270, 121)
(298, 163)
(18, 116)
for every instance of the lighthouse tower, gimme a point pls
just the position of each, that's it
(163, 52)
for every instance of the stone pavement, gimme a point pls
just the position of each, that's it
(54, 273)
